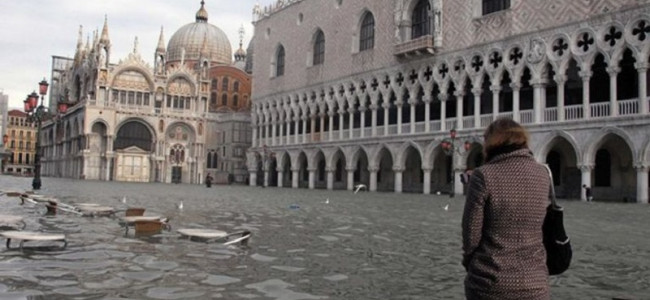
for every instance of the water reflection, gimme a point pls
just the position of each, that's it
(363, 246)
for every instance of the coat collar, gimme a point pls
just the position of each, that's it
(525, 152)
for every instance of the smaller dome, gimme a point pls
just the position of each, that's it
(240, 54)
(202, 14)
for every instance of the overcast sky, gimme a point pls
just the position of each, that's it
(31, 31)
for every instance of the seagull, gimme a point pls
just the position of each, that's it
(180, 205)
(327, 201)
(438, 193)
(124, 199)
(447, 207)
(358, 187)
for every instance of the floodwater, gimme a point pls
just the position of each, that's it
(363, 246)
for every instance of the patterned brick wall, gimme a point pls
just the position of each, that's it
(463, 29)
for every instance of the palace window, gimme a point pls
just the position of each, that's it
(224, 84)
(214, 84)
(235, 86)
(490, 6)
(235, 100)
(319, 48)
(224, 100)
(367, 34)
(279, 62)
(420, 20)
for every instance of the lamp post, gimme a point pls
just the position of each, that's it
(451, 148)
(36, 114)
(3, 154)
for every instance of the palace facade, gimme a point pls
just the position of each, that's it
(367, 91)
(176, 121)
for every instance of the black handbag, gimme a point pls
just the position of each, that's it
(556, 241)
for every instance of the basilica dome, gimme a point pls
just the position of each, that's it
(199, 36)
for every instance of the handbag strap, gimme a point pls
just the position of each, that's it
(552, 188)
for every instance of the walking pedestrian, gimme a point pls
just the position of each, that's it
(208, 180)
(588, 194)
(505, 207)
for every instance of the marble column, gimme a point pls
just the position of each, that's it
(459, 109)
(296, 134)
(304, 130)
(330, 179)
(351, 117)
(538, 100)
(254, 143)
(312, 178)
(362, 115)
(399, 117)
(274, 130)
(373, 107)
(477, 107)
(331, 126)
(373, 179)
(642, 183)
(560, 81)
(516, 87)
(613, 90)
(350, 179)
(321, 132)
(386, 107)
(643, 87)
(295, 178)
(427, 113)
(586, 107)
(443, 112)
(412, 104)
(426, 188)
(266, 177)
(341, 123)
(496, 89)
(280, 177)
(398, 179)
(281, 134)
(586, 179)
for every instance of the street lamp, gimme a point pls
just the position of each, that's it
(451, 147)
(36, 114)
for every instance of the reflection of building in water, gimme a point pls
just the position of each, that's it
(368, 93)
(187, 115)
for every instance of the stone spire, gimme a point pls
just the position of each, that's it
(202, 14)
(135, 45)
(105, 39)
(161, 42)
(80, 38)
(204, 47)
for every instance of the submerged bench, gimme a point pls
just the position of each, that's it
(11, 221)
(209, 235)
(29, 236)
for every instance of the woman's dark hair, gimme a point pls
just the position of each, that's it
(504, 136)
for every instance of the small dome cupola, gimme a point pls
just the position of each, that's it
(202, 14)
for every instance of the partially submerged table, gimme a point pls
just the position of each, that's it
(27, 236)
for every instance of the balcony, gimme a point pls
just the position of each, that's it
(417, 47)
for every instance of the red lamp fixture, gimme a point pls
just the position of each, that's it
(62, 107)
(31, 102)
(5, 139)
(42, 87)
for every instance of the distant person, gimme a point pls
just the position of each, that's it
(588, 194)
(208, 180)
(505, 207)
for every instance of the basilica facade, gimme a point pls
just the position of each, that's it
(186, 116)
(396, 95)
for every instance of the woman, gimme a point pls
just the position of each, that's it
(505, 207)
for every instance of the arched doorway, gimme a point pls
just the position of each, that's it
(385, 175)
(133, 146)
(613, 177)
(320, 180)
(441, 174)
(562, 160)
(412, 180)
(303, 174)
(285, 163)
(340, 174)
(361, 174)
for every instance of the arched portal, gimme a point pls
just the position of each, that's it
(340, 174)
(441, 175)
(259, 170)
(361, 174)
(320, 175)
(562, 160)
(412, 177)
(133, 147)
(285, 168)
(303, 174)
(273, 174)
(385, 175)
(613, 177)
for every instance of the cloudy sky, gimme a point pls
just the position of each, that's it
(31, 31)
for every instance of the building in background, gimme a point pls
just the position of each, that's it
(4, 110)
(21, 143)
(170, 122)
(367, 91)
